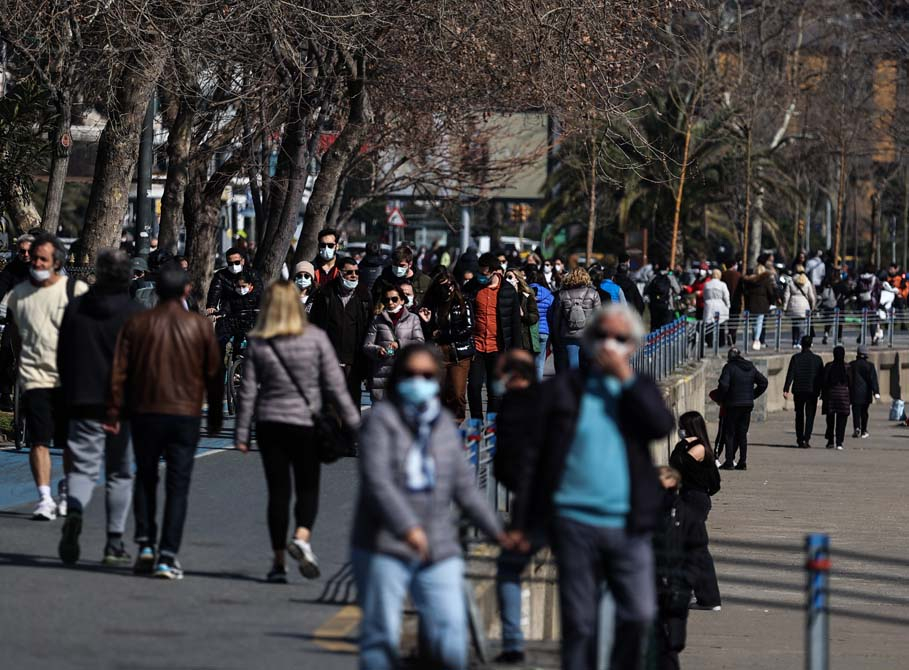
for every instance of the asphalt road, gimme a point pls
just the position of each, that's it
(222, 615)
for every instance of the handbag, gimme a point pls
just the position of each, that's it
(332, 443)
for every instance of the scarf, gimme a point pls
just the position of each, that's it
(419, 465)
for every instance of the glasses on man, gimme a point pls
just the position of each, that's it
(350, 273)
(326, 245)
(24, 253)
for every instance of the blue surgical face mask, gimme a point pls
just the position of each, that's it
(303, 282)
(483, 280)
(326, 253)
(399, 270)
(417, 391)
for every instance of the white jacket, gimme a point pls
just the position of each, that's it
(799, 298)
(716, 299)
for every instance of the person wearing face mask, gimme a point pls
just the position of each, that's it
(243, 309)
(325, 264)
(695, 460)
(405, 540)
(447, 320)
(304, 279)
(587, 476)
(574, 306)
(629, 288)
(409, 295)
(530, 315)
(497, 328)
(343, 309)
(393, 328)
(402, 269)
(544, 299)
(221, 289)
(35, 309)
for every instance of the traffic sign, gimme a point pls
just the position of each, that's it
(396, 218)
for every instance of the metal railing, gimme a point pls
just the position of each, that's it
(666, 349)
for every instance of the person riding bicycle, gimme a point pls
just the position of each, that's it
(242, 309)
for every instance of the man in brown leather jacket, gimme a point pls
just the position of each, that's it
(166, 365)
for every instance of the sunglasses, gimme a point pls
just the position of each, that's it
(413, 374)
(350, 273)
(391, 300)
(303, 274)
(326, 245)
(24, 252)
(621, 338)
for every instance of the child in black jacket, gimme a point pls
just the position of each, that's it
(678, 532)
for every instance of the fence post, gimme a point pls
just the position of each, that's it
(779, 328)
(891, 322)
(836, 325)
(817, 568)
(716, 334)
(864, 326)
(747, 328)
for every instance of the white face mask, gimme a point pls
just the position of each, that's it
(504, 265)
(513, 282)
(547, 270)
(558, 268)
(235, 268)
(303, 282)
(326, 253)
(243, 290)
(398, 270)
(350, 284)
(409, 301)
(394, 310)
(39, 275)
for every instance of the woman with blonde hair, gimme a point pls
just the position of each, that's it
(289, 363)
(574, 306)
(798, 299)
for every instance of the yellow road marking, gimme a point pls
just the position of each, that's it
(333, 634)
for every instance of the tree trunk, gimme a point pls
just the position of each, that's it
(118, 150)
(757, 227)
(840, 200)
(591, 205)
(678, 195)
(179, 144)
(349, 141)
(22, 210)
(746, 258)
(61, 142)
(905, 217)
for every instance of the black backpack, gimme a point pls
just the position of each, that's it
(660, 291)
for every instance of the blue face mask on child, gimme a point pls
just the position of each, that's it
(418, 391)
(483, 280)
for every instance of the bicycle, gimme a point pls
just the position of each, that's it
(234, 377)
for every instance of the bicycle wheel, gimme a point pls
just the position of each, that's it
(19, 430)
(234, 378)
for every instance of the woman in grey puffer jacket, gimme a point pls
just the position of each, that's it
(392, 329)
(570, 313)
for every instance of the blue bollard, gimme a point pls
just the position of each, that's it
(817, 609)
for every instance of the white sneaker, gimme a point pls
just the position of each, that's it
(839, 447)
(865, 436)
(302, 552)
(46, 510)
(756, 345)
(62, 507)
(62, 491)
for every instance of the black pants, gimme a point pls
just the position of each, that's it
(860, 417)
(699, 565)
(175, 438)
(836, 427)
(354, 378)
(670, 641)
(289, 451)
(737, 422)
(660, 316)
(805, 411)
(482, 371)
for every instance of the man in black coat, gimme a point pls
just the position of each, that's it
(85, 353)
(589, 479)
(15, 272)
(344, 310)
(740, 384)
(372, 265)
(628, 285)
(864, 389)
(803, 378)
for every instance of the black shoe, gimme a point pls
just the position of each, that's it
(806, 445)
(510, 657)
(277, 575)
(727, 466)
(69, 543)
(741, 466)
(115, 553)
(145, 561)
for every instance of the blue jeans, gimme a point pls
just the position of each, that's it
(437, 591)
(573, 351)
(509, 567)
(758, 327)
(541, 357)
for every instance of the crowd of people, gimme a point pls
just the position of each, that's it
(122, 373)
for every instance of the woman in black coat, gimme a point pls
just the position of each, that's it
(836, 397)
(864, 387)
(696, 462)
